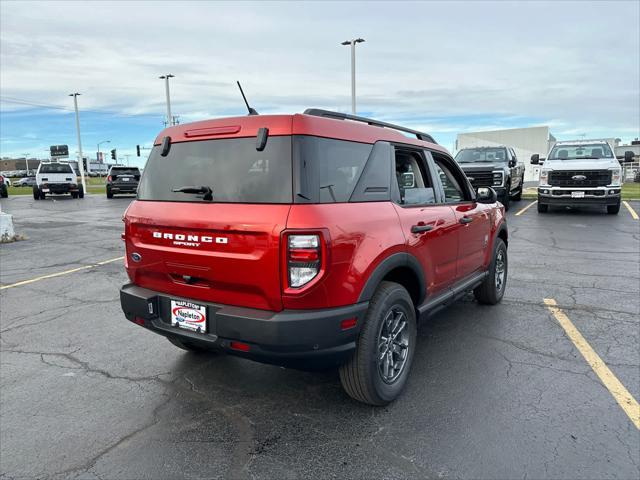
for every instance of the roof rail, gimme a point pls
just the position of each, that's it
(318, 112)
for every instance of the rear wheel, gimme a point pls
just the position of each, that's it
(613, 209)
(80, 192)
(36, 193)
(74, 194)
(109, 193)
(491, 290)
(4, 192)
(190, 347)
(380, 365)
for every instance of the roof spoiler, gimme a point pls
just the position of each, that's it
(317, 112)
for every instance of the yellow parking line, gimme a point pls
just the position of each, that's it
(526, 208)
(66, 272)
(616, 389)
(631, 210)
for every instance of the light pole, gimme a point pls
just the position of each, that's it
(353, 70)
(26, 159)
(100, 143)
(166, 87)
(80, 166)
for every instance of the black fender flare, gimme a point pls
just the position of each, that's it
(400, 259)
(503, 228)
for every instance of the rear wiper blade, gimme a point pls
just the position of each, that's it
(205, 190)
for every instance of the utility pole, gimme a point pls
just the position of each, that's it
(99, 159)
(80, 161)
(26, 159)
(353, 70)
(166, 86)
(127, 157)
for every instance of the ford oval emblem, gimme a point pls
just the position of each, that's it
(579, 177)
(136, 257)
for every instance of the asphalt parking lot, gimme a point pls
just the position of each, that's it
(495, 392)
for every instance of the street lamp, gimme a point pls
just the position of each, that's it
(80, 166)
(353, 70)
(166, 85)
(100, 143)
(26, 159)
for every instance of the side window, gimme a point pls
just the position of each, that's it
(452, 182)
(414, 184)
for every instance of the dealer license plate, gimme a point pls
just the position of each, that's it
(125, 179)
(189, 316)
(577, 194)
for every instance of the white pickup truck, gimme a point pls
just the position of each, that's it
(579, 173)
(56, 178)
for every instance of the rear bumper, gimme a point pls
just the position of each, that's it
(293, 338)
(592, 196)
(59, 188)
(123, 188)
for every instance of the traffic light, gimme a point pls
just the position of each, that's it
(84, 164)
(138, 149)
(113, 154)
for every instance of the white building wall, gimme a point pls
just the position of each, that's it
(525, 142)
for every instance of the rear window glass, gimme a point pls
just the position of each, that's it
(329, 168)
(55, 168)
(125, 171)
(232, 168)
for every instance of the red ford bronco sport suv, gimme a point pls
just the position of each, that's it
(308, 240)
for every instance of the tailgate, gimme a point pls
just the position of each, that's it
(215, 252)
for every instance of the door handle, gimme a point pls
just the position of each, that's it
(421, 228)
(465, 220)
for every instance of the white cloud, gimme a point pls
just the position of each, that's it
(573, 64)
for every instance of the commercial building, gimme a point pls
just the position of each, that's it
(525, 142)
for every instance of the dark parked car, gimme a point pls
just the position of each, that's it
(496, 167)
(122, 180)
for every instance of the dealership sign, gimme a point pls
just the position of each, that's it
(59, 151)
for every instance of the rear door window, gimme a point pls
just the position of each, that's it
(232, 168)
(329, 168)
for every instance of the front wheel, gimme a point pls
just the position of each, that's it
(518, 196)
(506, 200)
(613, 209)
(491, 290)
(542, 208)
(378, 370)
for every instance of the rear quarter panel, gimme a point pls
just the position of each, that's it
(361, 235)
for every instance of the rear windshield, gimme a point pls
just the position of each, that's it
(125, 171)
(232, 168)
(472, 155)
(55, 168)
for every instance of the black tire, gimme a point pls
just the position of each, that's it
(189, 347)
(613, 209)
(362, 375)
(518, 196)
(42, 195)
(109, 192)
(491, 290)
(36, 193)
(80, 192)
(4, 191)
(542, 208)
(506, 199)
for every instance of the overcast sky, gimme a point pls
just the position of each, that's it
(445, 67)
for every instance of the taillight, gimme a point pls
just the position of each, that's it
(303, 259)
(109, 178)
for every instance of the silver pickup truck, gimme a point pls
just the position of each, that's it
(579, 173)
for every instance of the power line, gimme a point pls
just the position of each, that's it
(20, 101)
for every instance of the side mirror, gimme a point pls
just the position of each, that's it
(486, 195)
(512, 163)
(535, 159)
(628, 156)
